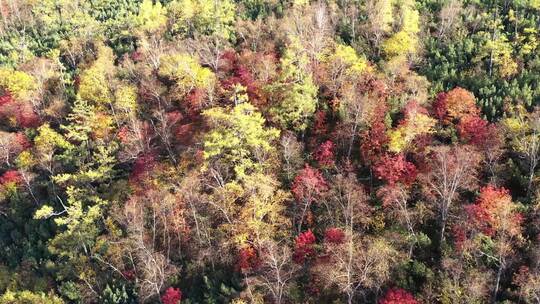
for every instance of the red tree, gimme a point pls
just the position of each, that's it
(6, 99)
(454, 105)
(195, 102)
(143, 166)
(494, 212)
(398, 296)
(320, 124)
(439, 106)
(304, 247)
(473, 129)
(18, 114)
(375, 138)
(334, 235)
(460, 236)
(239, 74)
(22, 141)
(171, 296)
(248, 259)
(393, 169)
(325, 154)
(309, 184)
(307, 187)
(11, 177)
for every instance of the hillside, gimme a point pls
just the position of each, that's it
(269, 151)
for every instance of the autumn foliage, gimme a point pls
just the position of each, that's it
(473, 129)
(11, 178)
(304, 247)
(455, 104)
(171, 296)
(494, 212)
(398, 296)
(395, 168)
(324, 154)
(334, 235)
(248, 259)
(269, 151)
(308, 184)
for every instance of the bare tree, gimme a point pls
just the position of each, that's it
(449, 17)
(292, 154)
(357, 265)
(276, 271)
(452, 169)
(396, 199)
(149, 242)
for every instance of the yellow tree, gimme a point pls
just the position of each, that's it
(238, 143)
(206, 17)
(94, 84)
(294, 91)
(186, 73)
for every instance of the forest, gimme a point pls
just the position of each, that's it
(270, 151)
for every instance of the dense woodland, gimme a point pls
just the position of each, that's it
(269, 151)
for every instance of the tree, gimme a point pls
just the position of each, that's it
(524, 134)
(449, 18)
(393, 169)
(151, 16)
(397, 200)
(473, 130)
(304, 247)
(495, 215)
(380, 19)
(356, 265)
(398, 296)
(415, 123)
(346, 204)
(455, 105)
(94, 82)
(324, 154)
(19, 84)
(46, 144)
(404, 42)
(11, 145)
(291, 153)
(308, 186)
(528, 282)
(347, 259)
(152, 219)
(451, 170)
(261, 216)
(29, 297)
(202, 17)
(276, 271)
(238, 141)
(171, 296)
(294, 91)
(186, 73)
(79, 204)
(375, 138)
(343, 65)
(334, 235)
(361, 104)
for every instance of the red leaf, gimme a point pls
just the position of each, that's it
(171, 296)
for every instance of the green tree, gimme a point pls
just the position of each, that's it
(294, 91)
(94, 83)
(206, 17)
(238, 140)
(186, 72)
(28, 297)
(151, 16)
